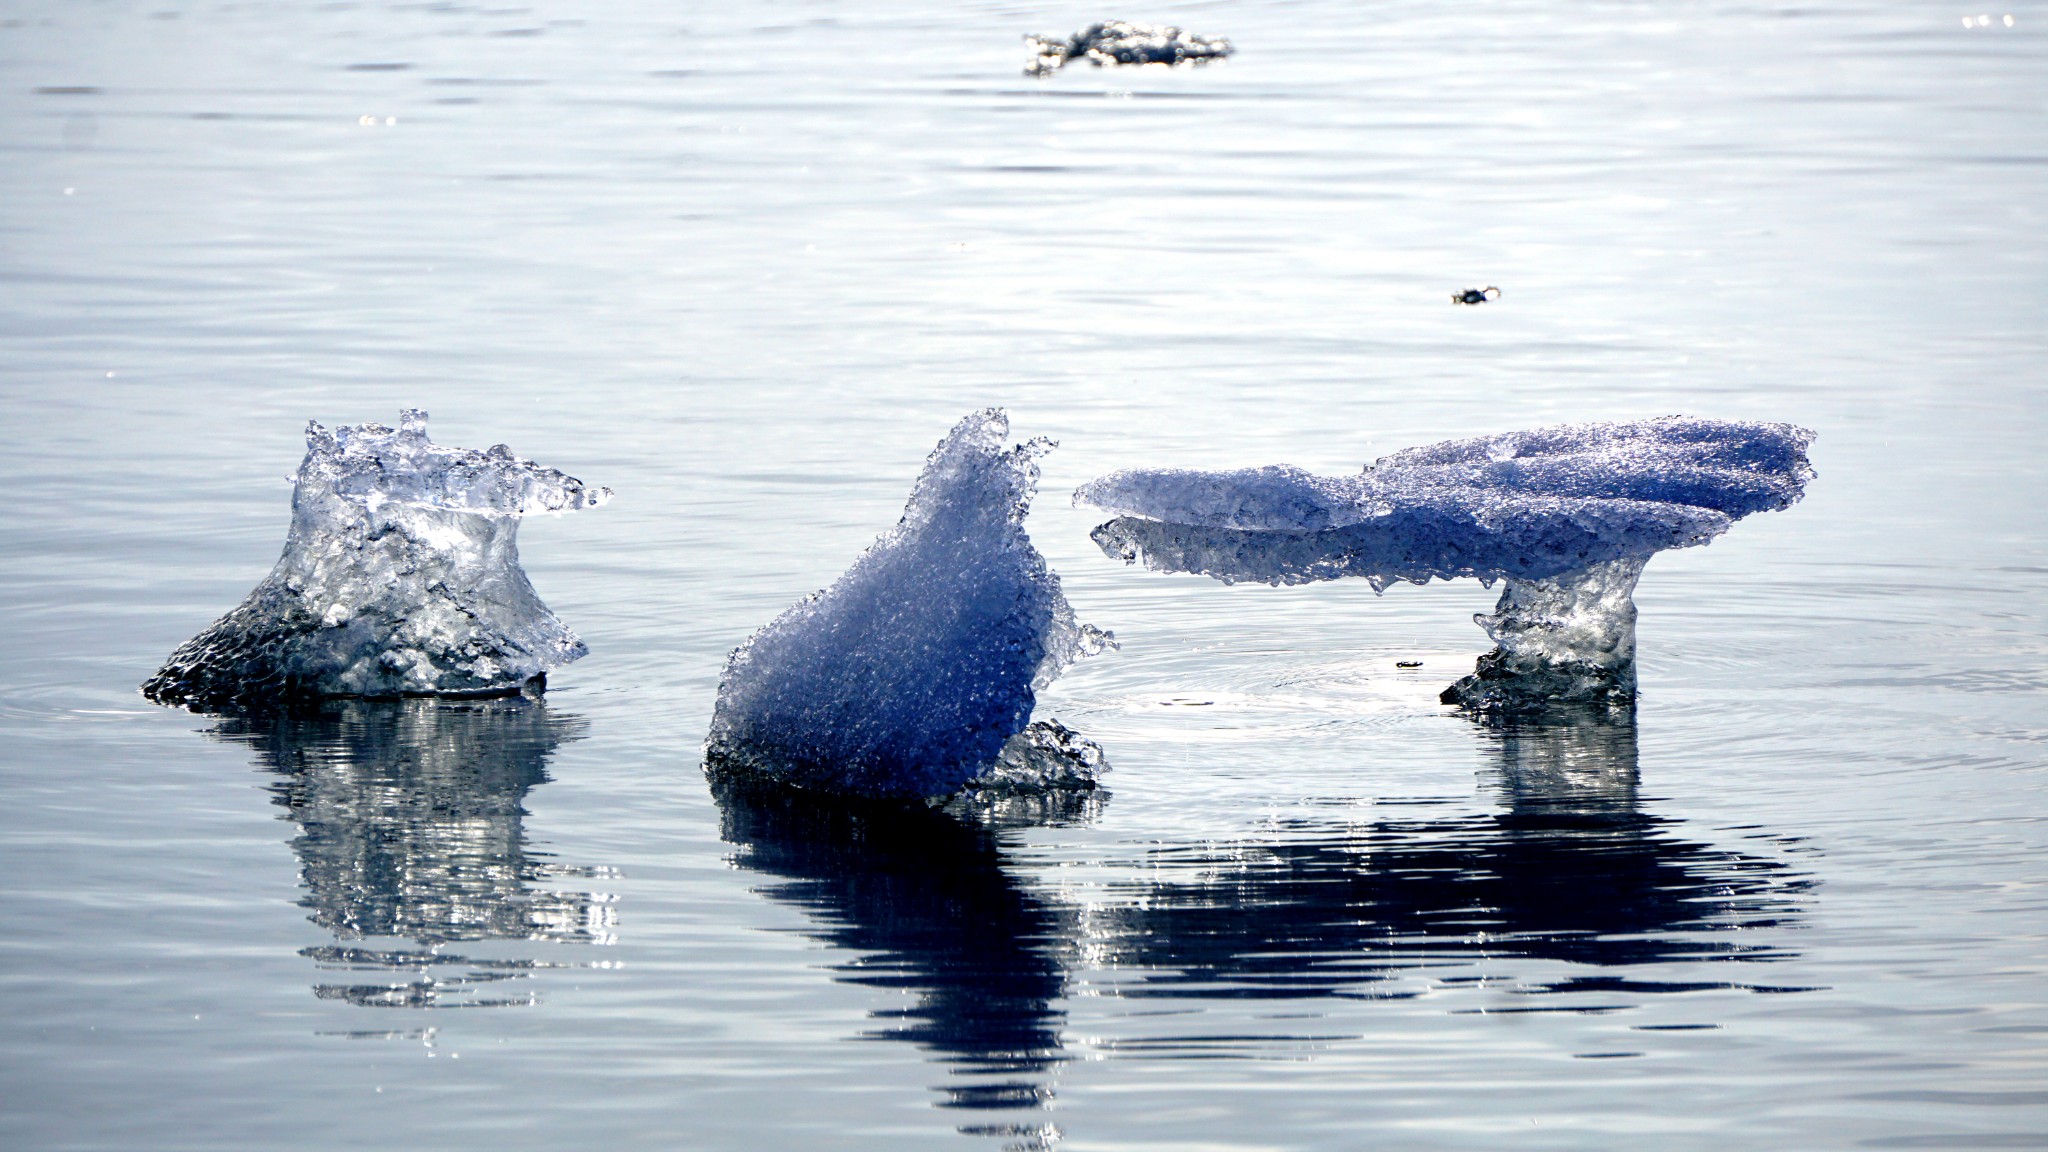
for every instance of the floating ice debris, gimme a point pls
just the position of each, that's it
(400, 577)
(1566, 515)
(914, 672)
(1117, 42)
(1475, 295)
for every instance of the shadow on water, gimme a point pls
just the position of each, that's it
(410, 829)
(1569, 868)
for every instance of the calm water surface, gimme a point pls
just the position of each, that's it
(745, 264)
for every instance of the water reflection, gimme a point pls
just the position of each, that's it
(409, 816)
(922, 896)
(1569, 869)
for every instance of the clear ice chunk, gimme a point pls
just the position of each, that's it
(1046, 756)
(400, 577)
(913, 671)
(1569, 639)
(1120, 42)
(1566, 515)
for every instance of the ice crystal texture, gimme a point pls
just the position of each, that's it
(1046, 755)
(1566, 515)
(1118, 42)
(400, 577)
(909, 675)
(1566, 639)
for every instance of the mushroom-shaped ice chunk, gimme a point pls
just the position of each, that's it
(1567, 516)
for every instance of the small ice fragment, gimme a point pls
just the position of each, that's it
(1118, 42)
(400, 577)
(1047, 774)
(913, 671)
(1566, 515)
(1046, 756)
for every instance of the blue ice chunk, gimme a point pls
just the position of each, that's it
(1526, 505)
(1566, 516)
(909, 675)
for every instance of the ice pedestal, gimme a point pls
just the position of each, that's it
(1570, 639)
(400, 577)
(915, 673)
(1567, 516)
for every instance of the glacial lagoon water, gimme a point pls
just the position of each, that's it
(745, 265)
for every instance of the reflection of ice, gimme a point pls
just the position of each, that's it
(1566, 516)
(400, 576)
(909, 674)
(409, 816)
(922, 896)
(1579, 760)
(1569, 870)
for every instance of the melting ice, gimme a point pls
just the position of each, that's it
(400, 576)
(1566, 515)
(915, 673)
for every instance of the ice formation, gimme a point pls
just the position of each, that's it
(1117, 42)
(400, 577)
(1567, 516)
(910, 675)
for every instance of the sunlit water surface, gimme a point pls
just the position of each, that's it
(745, 264)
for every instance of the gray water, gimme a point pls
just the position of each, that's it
(745, 264)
